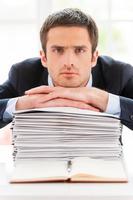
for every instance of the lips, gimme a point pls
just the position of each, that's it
(69, 73)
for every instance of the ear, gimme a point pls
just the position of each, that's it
(94, 58)
(43, 58)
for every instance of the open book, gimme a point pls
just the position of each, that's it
(81, 169)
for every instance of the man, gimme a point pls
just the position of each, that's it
(69, 72)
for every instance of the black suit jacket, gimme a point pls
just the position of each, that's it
(110, 75)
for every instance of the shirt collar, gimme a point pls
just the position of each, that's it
(89, 84)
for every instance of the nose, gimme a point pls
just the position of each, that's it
(69, 60)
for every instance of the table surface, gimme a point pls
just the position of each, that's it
(60, 191)
(66, 191)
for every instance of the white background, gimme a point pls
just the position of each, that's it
(20, 22)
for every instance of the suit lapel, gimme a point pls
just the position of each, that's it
(98, 78)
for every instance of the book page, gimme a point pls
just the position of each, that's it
(40, 171)
(98, 170)
(67, 110)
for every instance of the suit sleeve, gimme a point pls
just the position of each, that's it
(126, 104)
(7, 91)
(22, 76)
(126, 112)
(3, 104)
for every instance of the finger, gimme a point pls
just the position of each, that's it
(41, 89)
(83, 105)
(63, 94)
(50, 96)
(93, 108)
(71, 93)
(59, 102)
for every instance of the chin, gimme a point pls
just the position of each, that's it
(70, 85)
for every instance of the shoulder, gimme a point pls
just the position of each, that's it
(108, 63)
(109, 66)
(28, 64)
(31, 66)
(112, 75)
(27, 74)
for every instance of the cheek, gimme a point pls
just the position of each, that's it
(53, 71)
(85, 70)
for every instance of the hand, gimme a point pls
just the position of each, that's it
(90, 95)
(38, 101)
(60, 102)
(30, 101)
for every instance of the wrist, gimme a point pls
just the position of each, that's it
(99, 98)
(24, 102)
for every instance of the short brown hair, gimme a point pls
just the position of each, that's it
(69, 17)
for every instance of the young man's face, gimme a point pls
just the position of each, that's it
(69, 56)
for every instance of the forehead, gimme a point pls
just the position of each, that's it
(64, 35)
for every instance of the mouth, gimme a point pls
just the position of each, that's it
(69, 73)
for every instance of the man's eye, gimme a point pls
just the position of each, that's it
(58, 50)
(79, 50)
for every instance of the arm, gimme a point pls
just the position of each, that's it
(22, 76)
(40, 101)
(126, 103)
(126, 111)
(90, 96)
(3, 103)
(6, 93)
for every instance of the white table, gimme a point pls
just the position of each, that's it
(60, 191)
(64, 191)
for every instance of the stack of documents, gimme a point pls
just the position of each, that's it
(65, 133)
(67, 144)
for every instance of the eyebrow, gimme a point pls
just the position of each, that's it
(75, 46)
